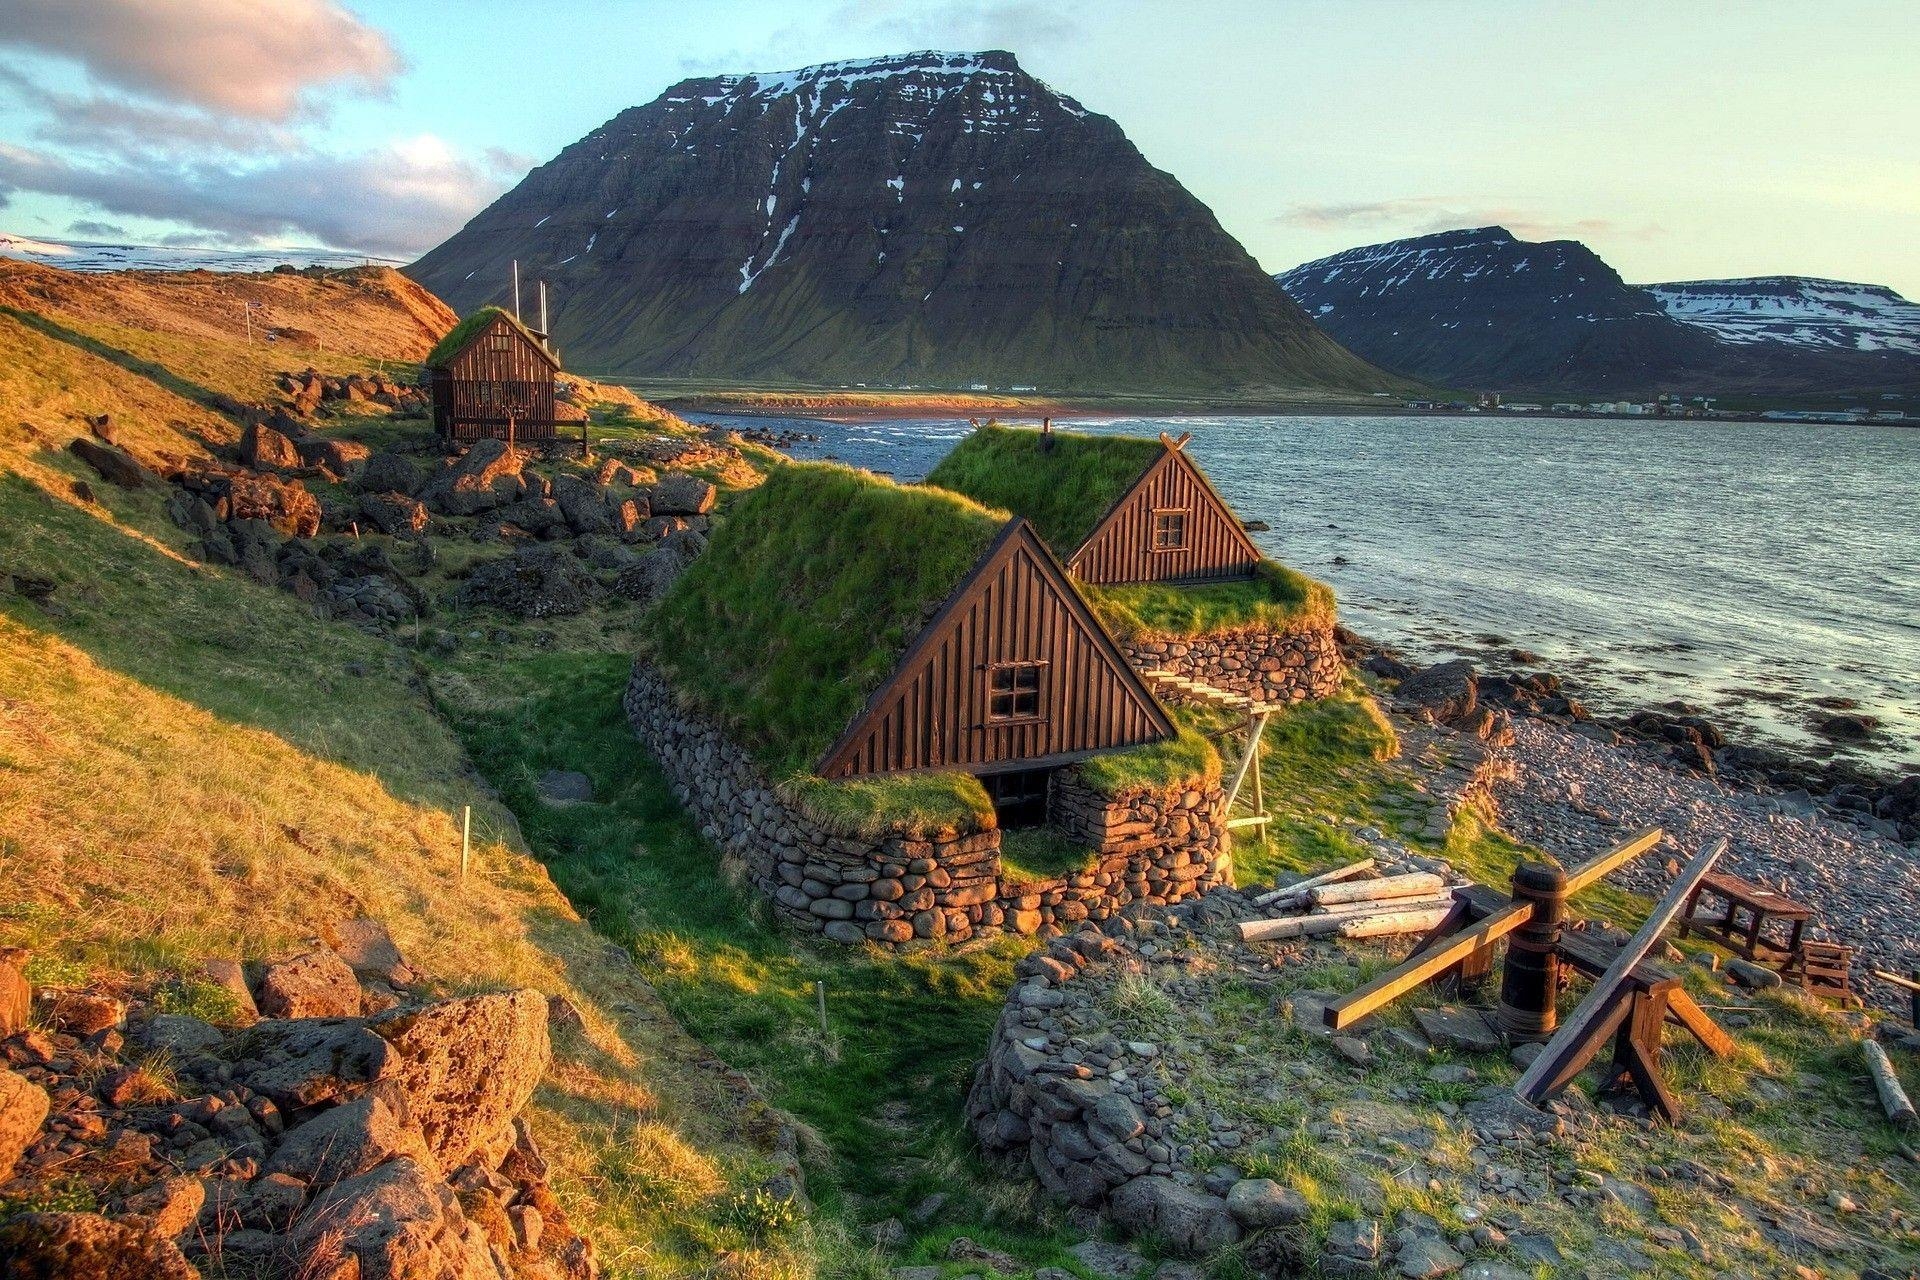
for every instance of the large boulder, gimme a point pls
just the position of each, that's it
(86, 1246)
(346, 1141)
(369, 951)
(584, 505)
(680, 494)
(393, 514)
(533, 582)
(114, 465)
(657, 571)
(284, 504)
(390, 473)
(1191, 1223)
(1448, 691)
(486, 476)
(23, 1109)
(396, 1222)
(316, 984)
(306, 1061)
(333, 455)
(264, 449)
(467, 1066)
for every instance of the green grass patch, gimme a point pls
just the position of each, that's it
(1276, 598)
(1187, 759)
(1063, 488)
(1032, 854)
(909, 803)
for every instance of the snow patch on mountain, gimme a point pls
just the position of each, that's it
(1796, 311)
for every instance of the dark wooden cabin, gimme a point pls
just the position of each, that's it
(1116, 509)
(492, 377)
(843, 626)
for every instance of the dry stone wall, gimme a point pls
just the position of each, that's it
(896, 888)
(1265, 665)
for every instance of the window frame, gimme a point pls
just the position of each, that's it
(1016, 696)
(1154, 539)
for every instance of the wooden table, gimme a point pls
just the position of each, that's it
(1760, 906)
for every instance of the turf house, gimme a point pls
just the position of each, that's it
(895, 709)
(492, 377)
(1163, 559)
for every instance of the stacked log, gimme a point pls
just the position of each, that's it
(1336, 902)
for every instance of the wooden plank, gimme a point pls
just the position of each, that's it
(1299, 888)
(1682, 1009)
(1569, 1042)
(1600, 866)
(1906, 983)
(1241, 824)
(1423, 966)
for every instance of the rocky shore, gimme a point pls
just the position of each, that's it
(1574, 784)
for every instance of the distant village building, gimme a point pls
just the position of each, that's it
(492, 377)
(1115, 509)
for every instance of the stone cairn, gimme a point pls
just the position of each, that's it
(897, 888)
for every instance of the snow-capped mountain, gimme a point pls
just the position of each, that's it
(1481, 308)
(931, 219)
(81, 255)
(1797, 311)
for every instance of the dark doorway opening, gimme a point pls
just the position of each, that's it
(1019, 798)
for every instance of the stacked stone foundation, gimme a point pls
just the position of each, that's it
(1267, 666)
(1151, 845)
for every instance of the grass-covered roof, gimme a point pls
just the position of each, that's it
(1064, 489)
(463, 333)
(811, 590)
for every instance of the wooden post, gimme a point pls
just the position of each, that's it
(1886, 1082)
(1530, 982)
(820, 996)
(466, 838)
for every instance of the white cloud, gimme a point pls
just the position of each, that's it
(399, 199)
(258, 59)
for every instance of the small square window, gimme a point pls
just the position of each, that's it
(1169, 530)
(1013, 691)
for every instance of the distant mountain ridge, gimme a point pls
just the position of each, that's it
(86, 255)
(933, 220)
(1480, 307)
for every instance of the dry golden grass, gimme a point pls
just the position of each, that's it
(187, 771)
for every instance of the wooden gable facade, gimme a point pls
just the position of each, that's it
(1171, 526)
(496, 381)
(1013, 673)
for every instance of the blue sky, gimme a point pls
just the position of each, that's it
(1680, 140)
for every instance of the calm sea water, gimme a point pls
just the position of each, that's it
(1748, 569)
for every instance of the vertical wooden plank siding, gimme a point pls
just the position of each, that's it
(1121, 549)
(476, 391)
(934, 712)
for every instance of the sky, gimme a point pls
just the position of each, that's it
(1686, 140)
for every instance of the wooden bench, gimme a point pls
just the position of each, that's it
(1760, 906)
